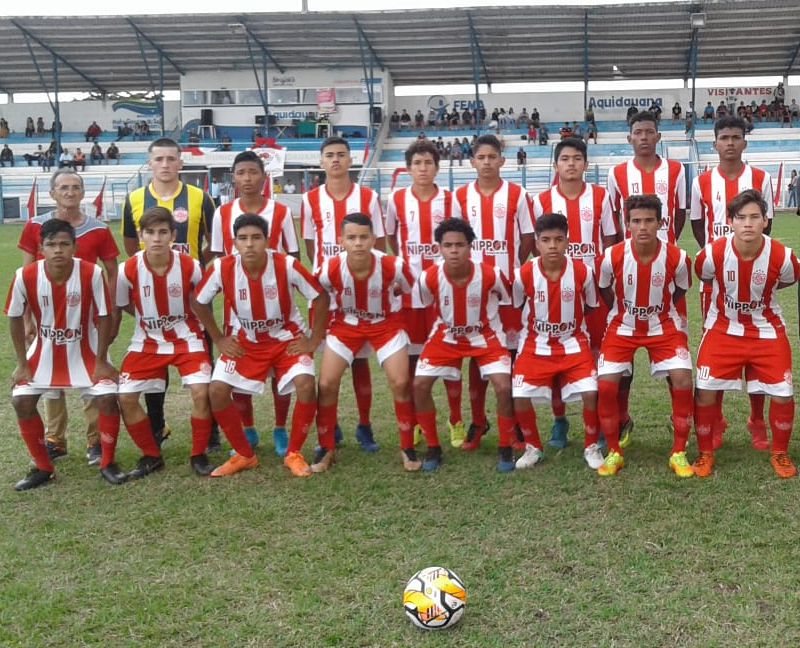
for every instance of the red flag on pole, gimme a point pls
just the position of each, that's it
(366, 151)
(777, 193)
(205, 182)
(98, 201)
(32, 201)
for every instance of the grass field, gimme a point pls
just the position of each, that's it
(553, 556)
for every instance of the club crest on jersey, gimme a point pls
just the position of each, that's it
(759, 277)
(682, 353)
(787, 377)
(505, 360)
(205, 369)
(586, 214)
(180, 214)
(473, 301)
(661, 187)
(374, 293)
(657, 279)
(175, 290)
(73, 299)
(499, 210)
(271, 292)
(438, 217)
(305, 360)
(567, 294)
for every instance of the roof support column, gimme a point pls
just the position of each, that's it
(368, 76)
(56, 110)
(585, 61)
(477, 63)
(160, 97)
(693, 63)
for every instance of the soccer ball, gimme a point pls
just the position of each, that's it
(434, 598)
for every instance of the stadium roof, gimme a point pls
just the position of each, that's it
(433, 46)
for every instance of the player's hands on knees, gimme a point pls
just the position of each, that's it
(21, 374)
(301, 344)
(230, 346)
(104, 369)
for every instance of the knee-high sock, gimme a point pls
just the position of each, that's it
(705, 416)
(302, 420)
(404, 412)
(108, 427)
(32, 431)
(623, 397)
(527, 423)
(757, 406)
(427, 421)
(326, 422)
(142, 436)
(506, 430)
(608, 413)
(591, 427)
(781, 420)
(244, 405)
(477, 394)
(453, 390)
(281, 404)
(362, 386)
(682, 408)
(201, 432)
(231, 424)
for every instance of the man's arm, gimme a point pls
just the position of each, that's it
(307, 344)
(699, 232)
(380, 244)
(22, 372)
(526, 246)
(680, 221)
(103, 368)
(607, 295)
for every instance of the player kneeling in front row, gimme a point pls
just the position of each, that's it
(258, 284)
(363, 282)
(155, 285)
(466, 296)
(70, 306)
(556, 291)
(744, 328)
(641, 279)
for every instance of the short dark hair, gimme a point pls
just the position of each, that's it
(643, 201)
(165, 142)
(729, 122)
(250, 220)
(488, 140)
(645, 115)
(334, 139)
(571, 142)
(551, 221)
(745, 198)
(157, 216)
(55, 226)
(356, 219)
(454, 225)
(247, 156)
(420, 147)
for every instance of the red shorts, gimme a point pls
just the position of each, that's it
(144, 372)
(418, 323)
(444, 360)
(533, 375)
(248, 373)
(596, 322)
(767, 364)
(666, 352)
(387, 338)
(511, 323)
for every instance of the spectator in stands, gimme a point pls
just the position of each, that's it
(786, 117)
(432, 118)
(405, 120)
(565, 131)
(145, 130)
(591, 132)
(780, 93)
(93, 132)
(39, 126)
(480, 115)
(794, 110)
(762, 111)
(708, 112)
(676, 112)
(656, 110)
(289, 187)
(419, 119)
(79, 160)
(440, 146)
(3, 128)
(6, 156)
(748, 125)
(791, 187)
(48, 160)
(577, 130)
(690, 110)
(96, 154)
(456, 153)
(65, 159)
(214, 190)
(531, 132)
(495, 116)
(466, 148)
(588, 115)
(394, 121)
(194, 138)
(123, 131)
(511, 118)
(467, 118)
(722, 110)
(137, 131)
(632, 110)
(29, 130)
(225, 142)
(36, 156)
(422, 135)
(523, 118)
(315, 181)
(522, 157)
(454, 120)
(689, 124)
(544, 134)
(112, 153)
(535, 118)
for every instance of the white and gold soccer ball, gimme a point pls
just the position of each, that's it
(434, 598)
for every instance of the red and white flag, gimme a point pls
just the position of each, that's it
(32, 201)
(98, 201)
(366, 152)
(776, 195)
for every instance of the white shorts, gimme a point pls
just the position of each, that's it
(103, 387)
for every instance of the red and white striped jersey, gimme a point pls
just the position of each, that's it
(643, 292)
(667, 181)
(265, 306)
(414, 220)
(553, 313)
(712, 191)
(589, 219)
(282, 235)
(744, 293)
(498, 220)
(321, 217)
(63, 354)
(368, 300)
(466, 314)
(165, 322)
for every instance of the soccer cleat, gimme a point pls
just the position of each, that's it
(295, 462)
(625, 430)
(457, 433)
(365, 438)
(55, 449)
(113, 474)
(518, 442)
(214, 444)
(612, 464)
(473, 439)
(323, 459)
(281, 440)
(338, 435)
(680, 465)
(146, 465)
(34, 479)
(201, 465)
(717, 431)
(93, 454)
(411, 462)
(433, 458)
(593, 456)
(235, 464)
(782, 465)
(162, 435)
(530, 457)
(417, 434)
(758, 433)
(505, 459)
(252, 436)
(704, 464)
(558, 433)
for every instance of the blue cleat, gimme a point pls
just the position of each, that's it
(558, 433)
(365, 438)
(433, 459)
(505, 459)
(280, 439)
(338, 437)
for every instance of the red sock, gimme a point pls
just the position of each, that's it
(142, 436)
(453, 390)
(404, 412)
(201, 432)
(506, 430)
(558, 405)
(302, 420)
(427, 421)
(108, 428)
(244, 405)
(591, 427)
(326, 422)
(527, 423)
(362, 386)
(608, 413)
(704, 418)
(623, 396)
(781, 420)
(32, 431)
(682, 408)
(231, 425)
(477, 394)
(757, 406)
(282, 405)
